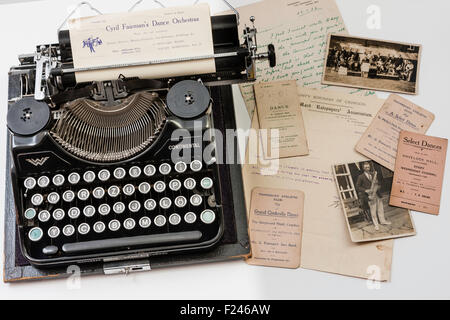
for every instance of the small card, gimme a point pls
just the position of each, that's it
(419, 172)
(278, 107)
(275, 227)
(380, 140)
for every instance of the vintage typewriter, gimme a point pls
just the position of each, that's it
(93, 169)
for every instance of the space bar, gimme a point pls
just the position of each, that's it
(164, 238)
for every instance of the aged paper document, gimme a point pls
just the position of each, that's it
(278, 106)
(275, 226)
(419, 172)
(334, 121)
(380, 140)
(141, 37)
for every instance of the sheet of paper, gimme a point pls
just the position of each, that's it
(278, 106)
(275, 226)
(380, 140)
(419, 172)
(143, 36)
(334, 121)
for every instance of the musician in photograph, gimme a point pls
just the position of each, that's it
(368, 188)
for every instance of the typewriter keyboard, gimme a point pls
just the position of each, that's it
(102, 210)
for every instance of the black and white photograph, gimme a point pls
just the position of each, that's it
(372, 64)
(364, 190)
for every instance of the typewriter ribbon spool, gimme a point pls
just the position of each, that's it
(28, 116)
(188, 99)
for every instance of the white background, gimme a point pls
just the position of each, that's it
(421, 265)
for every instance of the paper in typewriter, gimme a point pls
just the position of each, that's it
(298, 30)
(142, 37)
(334, 122)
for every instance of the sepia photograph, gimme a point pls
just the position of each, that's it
(364, 190)
(372, 64)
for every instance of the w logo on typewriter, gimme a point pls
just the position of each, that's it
(91, 43)
(38, 162)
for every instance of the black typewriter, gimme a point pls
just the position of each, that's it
(104, 170)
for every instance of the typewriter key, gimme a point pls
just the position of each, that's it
(50, 250)
(145, 222)
(74, 213)
(99, 227)
(150, 204)
(160, 221)
(188, 99)
(190, 184)
(104, 209)
(30, 214)
(175, 185)
(119, 173)
(58, 214)
(208, 216)
(83, 194)
(43, 182)
(128, 189)
(144, 188)
(165, 203)
(104, 175)
(68, 230)
(113, 191)
(89, 176)
(196, 165)
(135, 172)
(212, 201)
(28, 116)
(134, 206)
(84, 229)
(180, 201)
(89, 211)
(149, 170)
(180, 167)
(53, 198)
(35, 234)
(68, 196)
(165, 169)
(114, 225)
(129, 224)
(190, 217)
(175, 219)
(37, 199)
(159, 186)
(196, 200)
(206, 183)
(44, 216)
(98, 193)
(29, 183)
(53, 232)
(58, 180)
(118, 207)
(73, 178)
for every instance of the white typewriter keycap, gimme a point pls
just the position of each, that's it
(104, 175)
(99, 227)
(135, 172)
(150, 204)
(98, 193)
(159, 186)
(196, 165)
(114, 225)
(175, 185)
(128, 189)
(89, 176)
(44, 216)
(74, 213)
(68, 230)
(165, 169)
(208, 216)
(89, 211)
(180, 167)
(29, 183)
(149, 170)
(119, 173)
(74, 178)
(30, 214)
(190, 184)
(196, 200)
(212, 201)
(134, 206)
(84, 228)
(160, 221)
(43, 182)
(104, 209)
(58, 180)
(53, 232)
(113, 191)
(35, 234)
(174, 219)
(37, 199)
(68, 196)
(53, 198)
(144, 187)
(58, 214)
(165, 203)
(129, 224)
(145, 222)
(83, 194)
(206, 183)
(190, 217)
(180, 202)
(119, 207)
